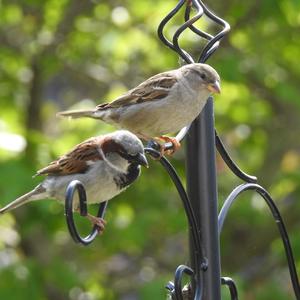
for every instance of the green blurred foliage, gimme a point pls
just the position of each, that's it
(69, 54)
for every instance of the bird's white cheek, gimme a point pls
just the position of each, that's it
(89, 162)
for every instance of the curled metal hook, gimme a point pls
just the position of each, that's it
(231, 164)
(213, 44)
(200, 259)
(201, 9)
(73, 186)
(188, 24)
(232, 287)
(182, 269)
(277, 218)
(164, 21)
(176, 288)
(201, 33)
(185, 201)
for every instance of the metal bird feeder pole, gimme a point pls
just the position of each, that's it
(200, 157)
(202, 192)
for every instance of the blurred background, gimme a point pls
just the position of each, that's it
(60, 54)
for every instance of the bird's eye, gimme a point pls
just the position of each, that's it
(203, 76)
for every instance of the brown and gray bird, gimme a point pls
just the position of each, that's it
(106, 165)
(162, 104)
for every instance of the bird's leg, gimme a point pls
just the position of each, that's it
(161, 147)
(154, 143)
(175, 144)
(99, 222)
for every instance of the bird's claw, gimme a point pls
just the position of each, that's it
(99, 222)
(175, 145)
(163, 148)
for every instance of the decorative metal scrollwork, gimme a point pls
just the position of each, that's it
(74, 186)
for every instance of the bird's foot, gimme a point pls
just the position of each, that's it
(162, 148)
(175, 145)
(99, 222)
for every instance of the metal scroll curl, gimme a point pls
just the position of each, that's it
(277, 218)
(74, 186)
(199, 257)
(231, 286)
(176, 289)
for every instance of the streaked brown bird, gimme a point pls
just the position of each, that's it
(106, 165)
(162, 104)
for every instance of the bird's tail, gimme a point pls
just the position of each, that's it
(36, 194)
(74, 114)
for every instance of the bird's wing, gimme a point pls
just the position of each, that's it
(154, 88)
(76, 161)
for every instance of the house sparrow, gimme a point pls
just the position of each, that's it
(160, 105)
(106, 165)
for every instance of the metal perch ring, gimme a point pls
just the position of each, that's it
(74, 186)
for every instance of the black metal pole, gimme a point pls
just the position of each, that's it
(202, 191)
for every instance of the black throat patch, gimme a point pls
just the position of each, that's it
(123, 180)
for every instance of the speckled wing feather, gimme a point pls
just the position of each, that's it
(76, 161)
(156, 87)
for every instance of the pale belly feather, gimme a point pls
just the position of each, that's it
(160, 117)
(99, 184)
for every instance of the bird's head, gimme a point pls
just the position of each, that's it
(204, 74)
(123, 145)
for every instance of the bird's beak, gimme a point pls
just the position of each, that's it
(214, 87)
(142, 160)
